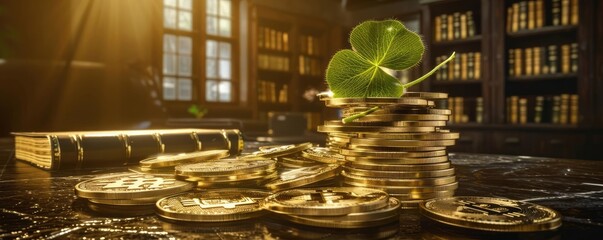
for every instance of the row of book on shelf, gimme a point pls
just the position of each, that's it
(309, 66)
(533, 14)
(273, 62)
(268, 92)
(273, 39)
(465, 66)
(543, 60)
(556, 109)
(309, 45)
(458, 25)
(465, 109)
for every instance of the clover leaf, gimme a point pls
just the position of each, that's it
(377, 46)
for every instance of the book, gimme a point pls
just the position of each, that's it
(553, 59)
(459, 111)
(87, 149)
(463, 26)
(518, 62)
(573, 109)
(515, 21)
(457, 68)
(523, 15)
(574, 12)
(437, 28)
(444, 69)
(537, 63)
(531, 15)
(556, 109)
(470, 24)
(565, 58)
(538, 109)
(438, 73)
(456, 25)
(285, 41)
(564, 109)
(565, 11)
(452, 109)
(523, 110)
(471, 65)
(539, 13)
(478, 65)
(556, 12)
(528, 61)
(544, 60)
(479, 110)
(574, 57)
(463, 66)
(509, 19)
(514, 109)
(511, 60)
(444, 27)
(450, 26)
(261, 37)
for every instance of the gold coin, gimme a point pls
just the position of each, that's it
(228, 178)
(297, 161)
(127, 202)
(225, 167)
(394, 109)
(426, 95)
(391, 154)
(324, 155)
(170, 160)
(395, 182)
(130, 186)
(344, 102)
(423, 196)
(389, 148)
(277, 151)
(372, 129)
(388, 124)
(303, 176)
(331, 201)
(411, 136)
(402, 117)
(400, 174)
(353, 220)
(400, 161)
(408, 190)
(400, 143)
(491, 214)
(212, 206)
(143, 170)
(398, 167)
(251, 183)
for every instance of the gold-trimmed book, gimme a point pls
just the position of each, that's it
(89, 149)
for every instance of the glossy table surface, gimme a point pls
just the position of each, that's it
(35, 203)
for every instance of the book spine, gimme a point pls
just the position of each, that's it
(553, 59)
(260, 37)
(575, 12)
(544, 60)
(464, 66)
(539, 13)
(470, 24)
(515, 21)
(457, 68)
(438, 28)
(471, 65)
(523, 110)
(478, 65)
(564, 109)
(565, 58)
(574, 57)
(556, 12)
(457, 25)
(479, 110)
(438, 73)
(528, 61)
(537, 62)
(574, 109)
(509, 21)
(511, 59)
(565, 11)
(538, 109)
(518, 62)
(285, 41)
(458, 104)
(444, 27)
(523, 15)
(452, 108)
(444, 69)
(451, 69)
(531, 15)
(463, 26)
(556, 109)
(514, 109)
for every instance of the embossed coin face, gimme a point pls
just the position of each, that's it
(225, 167)
(304, 176)
(170, 160)
(130, 185)
(322, 154)
(326, 201)
(212, 206)
(277, 151)
(491, 214)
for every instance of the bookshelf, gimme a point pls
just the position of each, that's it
(286, 63)
(537, 83)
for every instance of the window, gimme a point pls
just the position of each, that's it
(199, 46)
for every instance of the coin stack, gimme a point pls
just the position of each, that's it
(399, 146)
(335, 207)
(165, 163)
(228, 172)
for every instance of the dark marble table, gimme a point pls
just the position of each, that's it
(36, 204)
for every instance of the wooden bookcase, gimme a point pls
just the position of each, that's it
(500, 131)
(287, 59)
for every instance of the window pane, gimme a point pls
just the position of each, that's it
(169, 18)
(211, 91)
(225, 69)
(185, 20)
(169, 63)
(211, 68)
(225, 50)
(169, 43)
(171, 3)
(224, 91)
(212, 7)
(185, 45)
(185, 4)
(212, 48)
(225, 27)
(169, 88)
(212, 25)
(225, 8)
(185, 89)
(184, 65)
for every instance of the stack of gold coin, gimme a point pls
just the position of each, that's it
(228, 172)
(287, 156)
(398, 147)
(335, 207)
(129, 190)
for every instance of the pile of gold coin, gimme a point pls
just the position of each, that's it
(398, 147)
(335, 207)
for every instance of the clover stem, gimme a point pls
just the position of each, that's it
(359, 115)
(418, 80)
